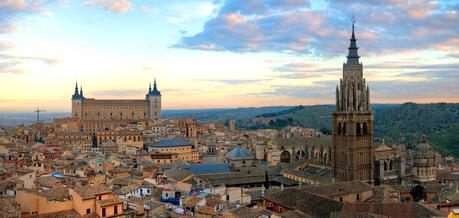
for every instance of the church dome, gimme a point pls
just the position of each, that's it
(424, 147)
(239, 153)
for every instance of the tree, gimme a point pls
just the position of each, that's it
(325, 131)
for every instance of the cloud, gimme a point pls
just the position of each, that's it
(236, 81)
(14, 64)
(296, 27)
(10, 10)
(115, 6)
(316, 91)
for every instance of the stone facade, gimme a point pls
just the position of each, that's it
(389, 163)
(353, 123)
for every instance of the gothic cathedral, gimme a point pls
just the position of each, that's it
(353, 123)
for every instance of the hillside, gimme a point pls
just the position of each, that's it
(396, 123)
(439, 122)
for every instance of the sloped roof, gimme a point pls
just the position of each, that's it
(47, 181)
(208, 168)
(408, 209)
(383, 147)
(177, 174)
(308, 203)
(86, 192)
(9, 207)
(340, 188)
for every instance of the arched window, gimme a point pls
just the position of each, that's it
(365, 128)
(358, 129)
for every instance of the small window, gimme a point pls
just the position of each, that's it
(341, 199)
(100, 197)
(88, 211)
(358, 197)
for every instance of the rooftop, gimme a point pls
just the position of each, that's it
(86, 192)
(340, 188)
(208, 168)
(172, 143)
(306, 202)
(239, 152)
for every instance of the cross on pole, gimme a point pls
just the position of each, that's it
(38, 113)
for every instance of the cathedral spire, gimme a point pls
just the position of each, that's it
(353, 55)
(81, 91)
(154, 85)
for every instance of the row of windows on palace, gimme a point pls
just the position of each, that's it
(117, 107)
(360, 129)
(121, 115)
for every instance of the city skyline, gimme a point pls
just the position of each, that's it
(293, 56)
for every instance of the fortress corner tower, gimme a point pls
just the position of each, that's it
(353, 123)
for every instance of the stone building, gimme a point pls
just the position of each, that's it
(95, 115)
(353, 123)
(171, 150)
(389, 163)
(424, 169)
(239, 157)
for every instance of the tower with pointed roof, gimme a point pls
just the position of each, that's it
(77, 101)
(353, 122)
(154, 97)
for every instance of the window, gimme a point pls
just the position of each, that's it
(358, 197)
(227, 197)
(103, 212)
(341, 199)
(115, 210)
(88, 211)
(100, 197)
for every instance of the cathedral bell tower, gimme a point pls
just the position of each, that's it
(353, 123)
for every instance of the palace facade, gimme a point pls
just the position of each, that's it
(107, 114)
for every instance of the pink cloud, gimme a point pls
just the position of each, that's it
(115, 6)
(234, 18)
(419, 9)
(13, 4)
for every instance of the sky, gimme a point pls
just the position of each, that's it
(217, 53)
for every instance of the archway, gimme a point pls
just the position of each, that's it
(300, 155)
(285, 157)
